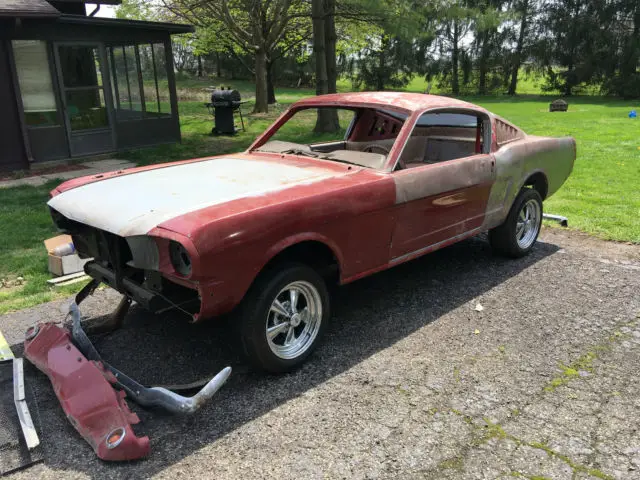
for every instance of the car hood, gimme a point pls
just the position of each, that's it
(133, 204)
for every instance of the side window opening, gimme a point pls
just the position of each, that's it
(442, 136)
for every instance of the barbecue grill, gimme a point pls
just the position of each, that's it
(223, 106)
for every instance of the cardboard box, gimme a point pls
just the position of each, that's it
(63, 265)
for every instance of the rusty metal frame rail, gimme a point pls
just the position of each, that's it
(146, 396)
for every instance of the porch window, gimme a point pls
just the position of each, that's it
(139, 81)
(81, 69)
(34, 78)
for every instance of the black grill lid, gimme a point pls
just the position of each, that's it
(229, 97)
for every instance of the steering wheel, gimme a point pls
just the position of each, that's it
(376, 148)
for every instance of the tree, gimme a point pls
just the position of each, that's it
(524, 11)
(487, 17)
(324, 50)
(254, 26)
(395, 34)
(388, 61)
(454, 23)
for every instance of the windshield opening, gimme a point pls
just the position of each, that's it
(359, 136)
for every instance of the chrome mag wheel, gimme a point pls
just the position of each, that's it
(294, 319)
(528, 224)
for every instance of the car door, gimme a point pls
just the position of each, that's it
(436, 203)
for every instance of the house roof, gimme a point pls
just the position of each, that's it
(172, 28)
(27, 8)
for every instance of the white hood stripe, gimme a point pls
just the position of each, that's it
(136, 203)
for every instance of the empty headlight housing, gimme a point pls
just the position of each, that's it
(180, 258)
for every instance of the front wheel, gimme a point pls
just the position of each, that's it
(519, 232)
(283, 317)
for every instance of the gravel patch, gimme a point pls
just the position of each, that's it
(412, 380)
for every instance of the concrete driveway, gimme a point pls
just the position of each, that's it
(411, 381)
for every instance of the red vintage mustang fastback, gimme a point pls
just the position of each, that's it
(262, 233)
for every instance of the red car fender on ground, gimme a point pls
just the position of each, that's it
(97, 411)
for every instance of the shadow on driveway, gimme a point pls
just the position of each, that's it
(368, 316)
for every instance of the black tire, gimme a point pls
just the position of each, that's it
(504, 238)
(255, 315)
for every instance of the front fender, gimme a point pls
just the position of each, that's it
(229, 286)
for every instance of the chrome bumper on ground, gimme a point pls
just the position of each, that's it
(146, 396)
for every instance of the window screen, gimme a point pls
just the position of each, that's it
(139, 81)
(34, 78)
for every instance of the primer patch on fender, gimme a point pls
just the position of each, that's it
(134, 204)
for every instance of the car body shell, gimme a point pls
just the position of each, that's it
(266, 203)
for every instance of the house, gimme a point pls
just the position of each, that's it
(74, 85)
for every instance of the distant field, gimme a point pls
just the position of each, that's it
(527, 85)
(602, 197)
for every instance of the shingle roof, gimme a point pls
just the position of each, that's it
(27, 8)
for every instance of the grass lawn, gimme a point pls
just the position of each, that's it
(602, 197)
(24, 224)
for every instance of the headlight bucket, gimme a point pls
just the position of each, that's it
(180, 258)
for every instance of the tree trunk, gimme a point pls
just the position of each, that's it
(262, 104)
(317, 13)
(466, 64)
(324, 122)
(218, 67)
(381, 61)
(570, 78)
(200, 74)
(484, 57)
(517, 61)
(455, 83)
(332, 120)
(271, 92)
(330, 45)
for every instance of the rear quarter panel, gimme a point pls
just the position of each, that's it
(517, 161)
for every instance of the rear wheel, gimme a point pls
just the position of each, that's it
(283, 317)
(519, 232)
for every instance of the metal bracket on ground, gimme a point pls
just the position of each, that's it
(26, 423)
(563, 221)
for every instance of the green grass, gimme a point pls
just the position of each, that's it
(602, 196)
(24, 224)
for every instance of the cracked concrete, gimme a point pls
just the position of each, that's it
(402, 387)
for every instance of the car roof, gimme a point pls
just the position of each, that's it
(403, 100)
